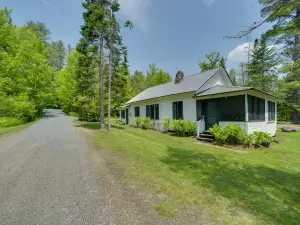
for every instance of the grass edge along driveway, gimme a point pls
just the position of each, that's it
(4, 131)
(258, 187)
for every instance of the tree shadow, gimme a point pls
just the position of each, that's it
(258, 189)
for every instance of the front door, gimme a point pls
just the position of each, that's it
(211, 113)
(127, 118)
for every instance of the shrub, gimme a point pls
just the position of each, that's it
(9, 122)
(178, 127)
(248, 141)
(119, 122)
(219, 133)
(145, 123)
(167, 124)
(261, 138)
(74, 114)
(138, 122)
(190, 127)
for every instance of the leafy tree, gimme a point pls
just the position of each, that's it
(161, 77)
(57, 55)
(138, 81)
(150, 74)
(214, 61)
(41, 29)
(67, 84)
(262, 70)
(233, 76)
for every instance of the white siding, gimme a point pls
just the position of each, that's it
(271, 128)
(256, 126)
(241, 124)
(165, 107)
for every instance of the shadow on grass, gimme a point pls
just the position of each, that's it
(261, 190)
(96, 126)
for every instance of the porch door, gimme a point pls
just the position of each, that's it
(127, 118)
(211, 113)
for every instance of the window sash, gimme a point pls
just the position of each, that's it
(256, 108)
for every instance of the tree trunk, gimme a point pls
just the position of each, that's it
(109, 84)
(295, 94)
(102, 122)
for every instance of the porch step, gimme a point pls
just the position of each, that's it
(206, 136)
(205, 139)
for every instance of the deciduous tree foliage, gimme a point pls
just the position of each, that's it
(25, 73)
(214, 61)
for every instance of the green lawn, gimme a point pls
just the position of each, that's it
(9, 130)
(258, 187)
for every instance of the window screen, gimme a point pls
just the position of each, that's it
(123, 114)
(152, 111)
(271, 111)
(256, 108)
(137, 111)
(177, 110)
(232, 108)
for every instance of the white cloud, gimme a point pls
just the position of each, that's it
(208, 2)
(240, 53)
(136, 11)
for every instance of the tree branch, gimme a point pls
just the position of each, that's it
(252, 28)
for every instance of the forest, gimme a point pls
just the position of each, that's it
(92, 79)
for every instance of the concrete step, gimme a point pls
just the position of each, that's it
(207, 136)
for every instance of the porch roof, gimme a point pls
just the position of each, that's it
(219, 89)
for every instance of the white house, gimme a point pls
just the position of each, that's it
(207, 98)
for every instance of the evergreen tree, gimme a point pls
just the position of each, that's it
(262, 69)
(233, 76)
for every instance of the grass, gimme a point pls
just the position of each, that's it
(8, 130)
(260, 187)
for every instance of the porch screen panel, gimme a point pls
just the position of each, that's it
(256, 108)
(156, 111)
(271, 111)
(148, 111)
(232, 108)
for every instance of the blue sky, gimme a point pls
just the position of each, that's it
(174, 34)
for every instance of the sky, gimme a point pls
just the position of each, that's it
(174, 34)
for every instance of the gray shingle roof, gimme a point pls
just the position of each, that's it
(189, 84)
(219, 89)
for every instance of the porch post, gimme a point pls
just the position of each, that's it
(246, 108)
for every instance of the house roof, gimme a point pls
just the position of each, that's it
(219, 89)
(189, 84)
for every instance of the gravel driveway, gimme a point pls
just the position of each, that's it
(50, 174)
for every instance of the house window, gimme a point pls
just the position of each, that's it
(152, 111)
(177, 110)
(256, 108)
(271, 111)
(123, 114)
(232, 108)
(137, 111)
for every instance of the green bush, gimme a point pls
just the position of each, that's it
(235, 135)
(231, 134)
(260, 138)
(9, 122)
(119, 122)
(146, 123)
(190, 127)
(138, 122)
(178, 127)
(167, 124)
(74, 114)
